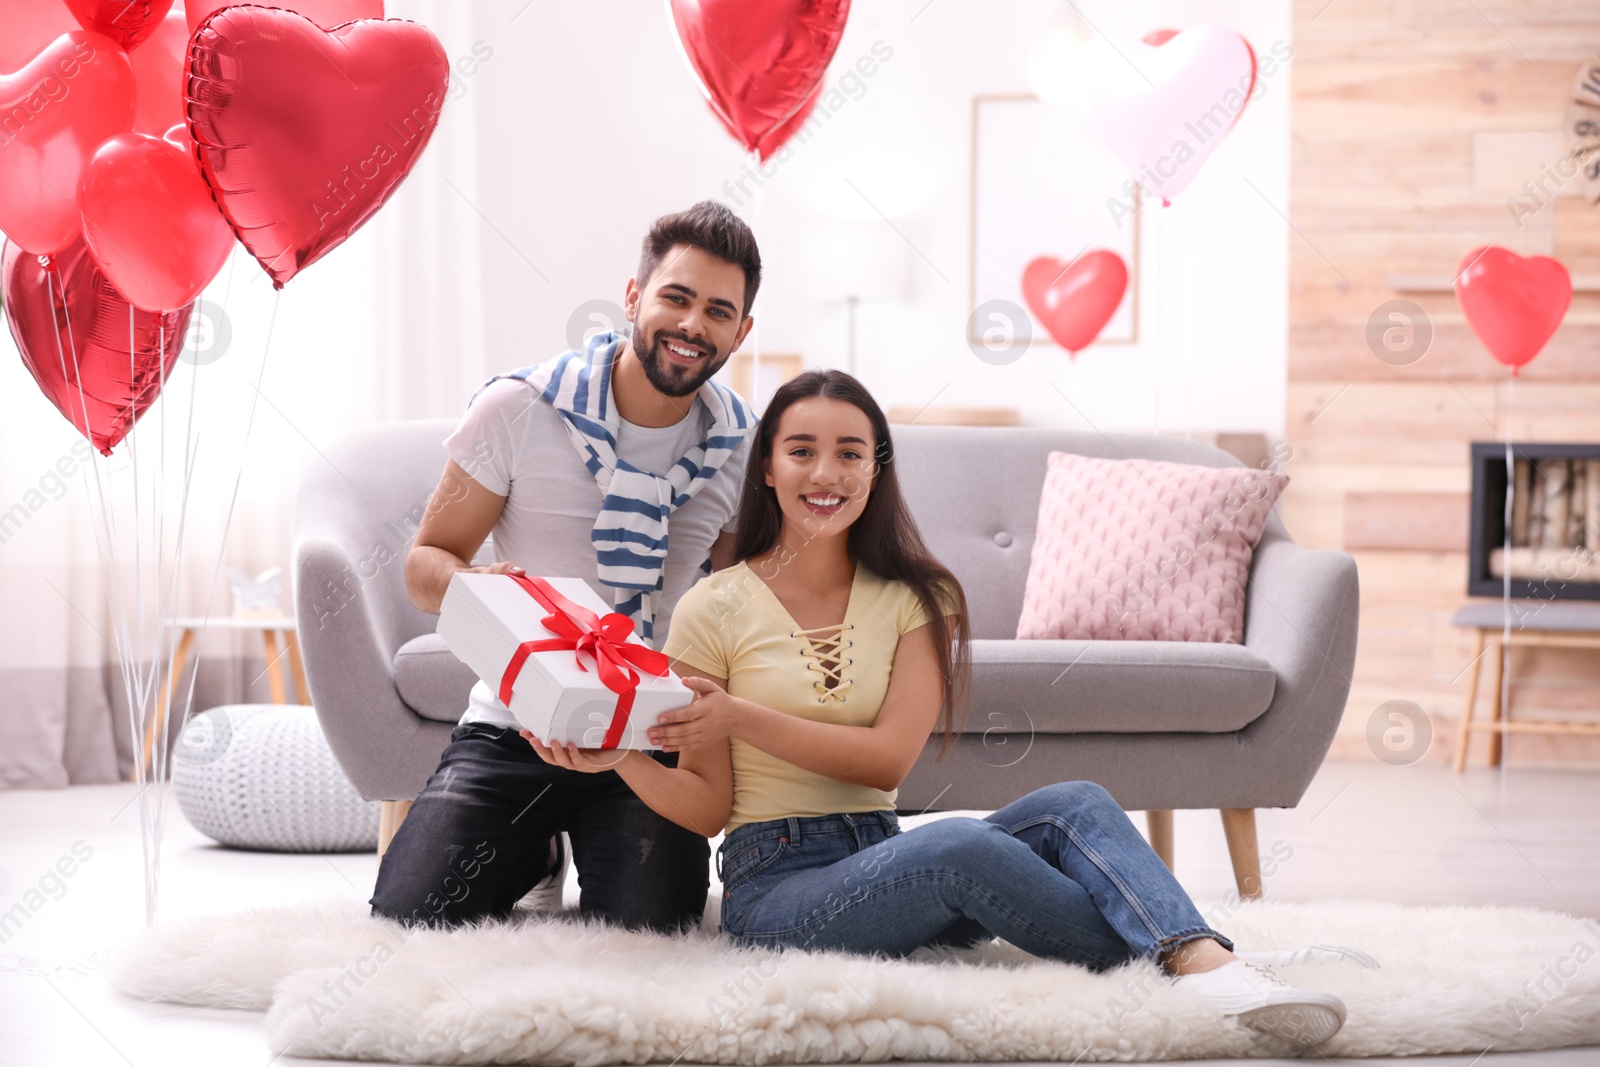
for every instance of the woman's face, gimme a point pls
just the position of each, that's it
(822, 467)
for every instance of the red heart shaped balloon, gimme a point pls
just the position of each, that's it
(29, 27)
(303, 133)
(150, 222)
(758, 64)
(1075, 300)
(100, 361)
(1513, 304)
(770, 143)
(57, 110)
(325, 13)
(127, 22)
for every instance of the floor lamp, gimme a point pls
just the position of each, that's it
(854, 262)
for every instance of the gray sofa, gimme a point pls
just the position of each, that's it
(1162, 725)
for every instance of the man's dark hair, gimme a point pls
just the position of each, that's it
(710, 226)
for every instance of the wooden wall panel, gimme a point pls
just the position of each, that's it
(1414, 122)
(1406, 521)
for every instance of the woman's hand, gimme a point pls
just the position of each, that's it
(570, 757)
(712, 716)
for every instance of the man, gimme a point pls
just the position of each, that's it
(578, 467)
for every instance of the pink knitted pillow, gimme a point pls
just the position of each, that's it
(1144, 550)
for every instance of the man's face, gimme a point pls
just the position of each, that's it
(687, 319)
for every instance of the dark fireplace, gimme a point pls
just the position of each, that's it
(1555, 524)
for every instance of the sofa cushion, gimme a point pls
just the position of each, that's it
(1069, 687)
(1144, 549)
(1093, 686)
(431, 679)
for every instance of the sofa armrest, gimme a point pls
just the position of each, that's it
(385, 748)
(1301, 615)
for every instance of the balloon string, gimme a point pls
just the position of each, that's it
(1160, 317)
(138, 548)
(109, 549)
(1505, 615)
(170, 598)
(164, 592)
(160, 519)
(173, 593)
(233, 500)
(755, 332)
(137, 713)
(1186, 379)
(148, 813)
(108, 522)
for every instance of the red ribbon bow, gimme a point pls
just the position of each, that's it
(604, 637)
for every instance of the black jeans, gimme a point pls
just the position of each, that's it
(478, 838)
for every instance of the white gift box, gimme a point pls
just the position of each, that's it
(485, 617)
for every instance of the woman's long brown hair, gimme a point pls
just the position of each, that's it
(884, 539)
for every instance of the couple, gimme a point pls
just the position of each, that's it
(824, 645)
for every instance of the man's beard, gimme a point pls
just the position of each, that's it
(669, 378)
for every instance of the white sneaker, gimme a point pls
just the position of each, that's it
(1263, 1001)
(545, 896)
(1284, 957)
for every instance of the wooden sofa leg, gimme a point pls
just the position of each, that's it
(391, 813)
(1239, 826)
(1160, 823)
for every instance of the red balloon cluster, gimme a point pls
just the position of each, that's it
(138, 141)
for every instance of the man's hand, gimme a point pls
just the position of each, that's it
(570, 757)
(503, 567)
(711, 717)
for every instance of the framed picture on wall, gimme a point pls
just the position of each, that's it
(1043, 184)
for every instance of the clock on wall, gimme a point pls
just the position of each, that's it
(1583, 126)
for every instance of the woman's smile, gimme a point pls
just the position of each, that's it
(824, 503)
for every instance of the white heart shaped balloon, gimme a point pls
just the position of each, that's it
(1163, 109)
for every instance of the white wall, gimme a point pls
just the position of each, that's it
(589, 125)
(570, 127)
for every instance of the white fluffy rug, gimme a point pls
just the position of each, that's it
(337, 983)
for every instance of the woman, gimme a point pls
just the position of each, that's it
(821, 660)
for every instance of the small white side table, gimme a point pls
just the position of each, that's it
(269, 626)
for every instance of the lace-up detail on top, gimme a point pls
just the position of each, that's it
(832, 683)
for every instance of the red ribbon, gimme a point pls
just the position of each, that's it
(605, 638)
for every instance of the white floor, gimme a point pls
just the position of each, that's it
(1364, 830)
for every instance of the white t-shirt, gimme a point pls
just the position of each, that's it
(516, 445)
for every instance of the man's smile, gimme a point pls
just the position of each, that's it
(683, 353)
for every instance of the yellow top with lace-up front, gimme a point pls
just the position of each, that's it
(731, 625)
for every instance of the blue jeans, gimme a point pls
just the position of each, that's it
(1061, 873)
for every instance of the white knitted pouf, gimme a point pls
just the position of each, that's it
(261, 776)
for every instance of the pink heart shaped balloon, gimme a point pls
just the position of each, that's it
(58, 109)
(1164, 109)
(29, 26)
